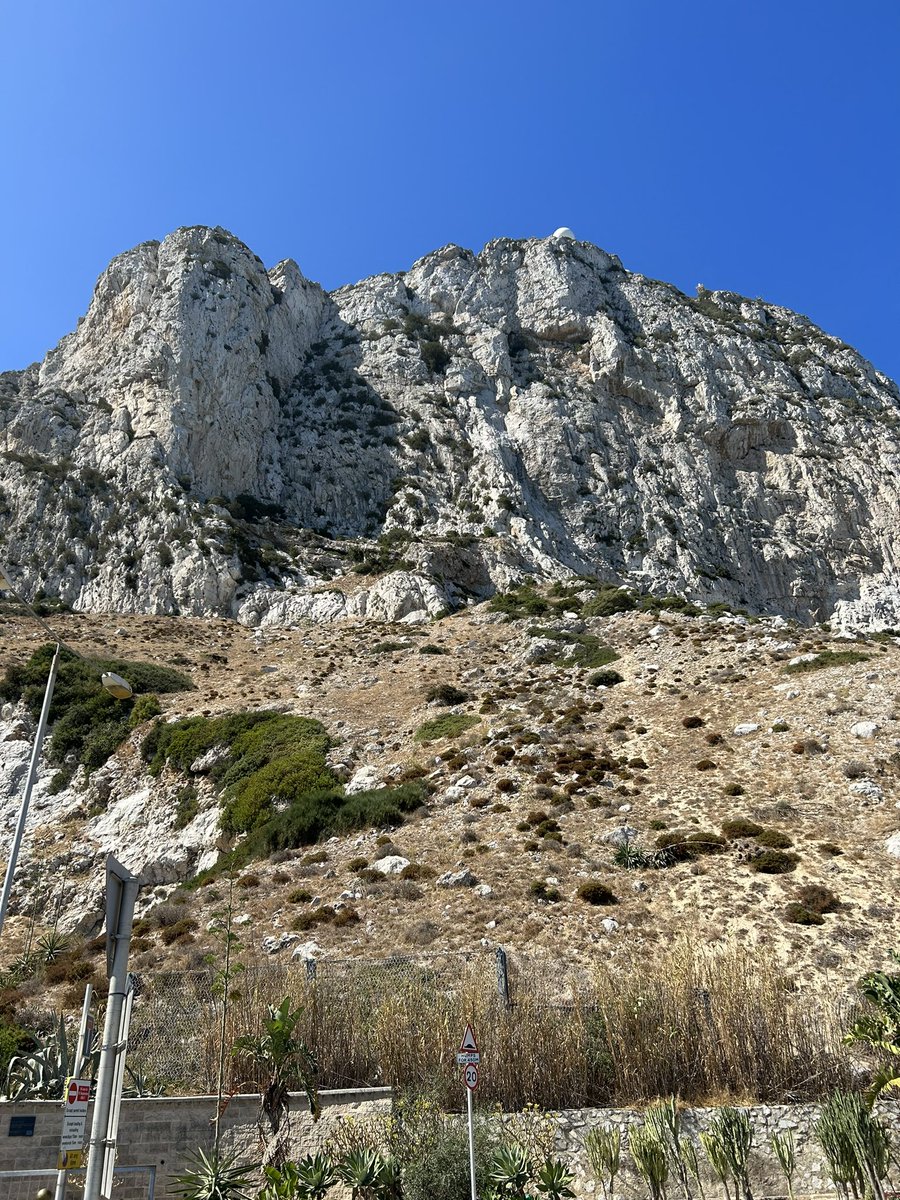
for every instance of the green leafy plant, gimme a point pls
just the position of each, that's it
(879, 1027)
(856, 1145)
(281, 1059)
(214, 1176)
(604, 1150)
(651, 1160)
(785, 1152)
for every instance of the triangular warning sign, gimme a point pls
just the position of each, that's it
(468, 1042)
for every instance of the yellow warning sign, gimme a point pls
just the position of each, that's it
(70, 1160)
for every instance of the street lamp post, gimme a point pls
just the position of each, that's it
(114, 684)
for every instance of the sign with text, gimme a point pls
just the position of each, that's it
(75, 1106)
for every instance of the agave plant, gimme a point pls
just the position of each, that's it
(554, 1180)
(215, 1176)
(281, 1183)
(360, 1170)
(41, 1073)
(315, 1175)
(604, 1148)
(511, 1168)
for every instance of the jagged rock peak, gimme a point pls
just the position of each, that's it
(215, 437)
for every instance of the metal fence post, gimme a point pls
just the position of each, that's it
(502, 976)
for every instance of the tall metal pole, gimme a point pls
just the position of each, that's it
(122, 889)
(471, 1144)
(63, 1175)
(29, 786)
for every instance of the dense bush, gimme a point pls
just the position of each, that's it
(592, 891)
(89, 723)
(741, 827)
(774, 839)
(774, 862)
(798, 914)
(267, 760)
(446, 693)
(608, 678)
(818, 899)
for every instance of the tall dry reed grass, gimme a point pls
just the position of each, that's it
(707, 1026)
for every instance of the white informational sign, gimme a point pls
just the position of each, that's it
(75, 1106)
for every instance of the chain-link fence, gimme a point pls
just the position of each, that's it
(184, 1023)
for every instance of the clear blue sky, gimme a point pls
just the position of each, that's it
(748, 146)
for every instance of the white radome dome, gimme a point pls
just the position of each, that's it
(564, 232)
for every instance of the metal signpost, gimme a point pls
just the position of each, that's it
(468, 1057)
(121, 893)
(75, 1105)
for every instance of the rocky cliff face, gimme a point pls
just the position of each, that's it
(214, 437)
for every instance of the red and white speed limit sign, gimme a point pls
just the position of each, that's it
(470, 1076)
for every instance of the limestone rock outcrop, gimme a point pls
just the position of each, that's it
(219, 438)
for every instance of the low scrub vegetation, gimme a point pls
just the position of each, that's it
(89, 723)
(452, 725)
(827, 658)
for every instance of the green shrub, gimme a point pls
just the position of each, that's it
(609, 600)
(592, 891)
(89, 723)
(299, 896)
(685, 845)
(774, 839)
(451, 725)
(186, 805)
(818, 899)
(733, 789)
(774, 862)
(145, 708)
(434, 356)
(741, 827)
(797, 914)
(829, 849)
(608, 678)
(828, 658)
(446, 693)
(269, 760)
(430, 648)
(543, 892)
(519, 602)
(692, 722)
(389, 647)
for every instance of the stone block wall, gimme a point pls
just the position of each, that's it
(162, 1131)
(812, 1170)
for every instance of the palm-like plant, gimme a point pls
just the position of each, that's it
(856, 1145)
(879, 1027)
(213, 1177)
(280, 1058)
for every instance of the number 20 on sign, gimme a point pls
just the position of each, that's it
(470, 1076)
